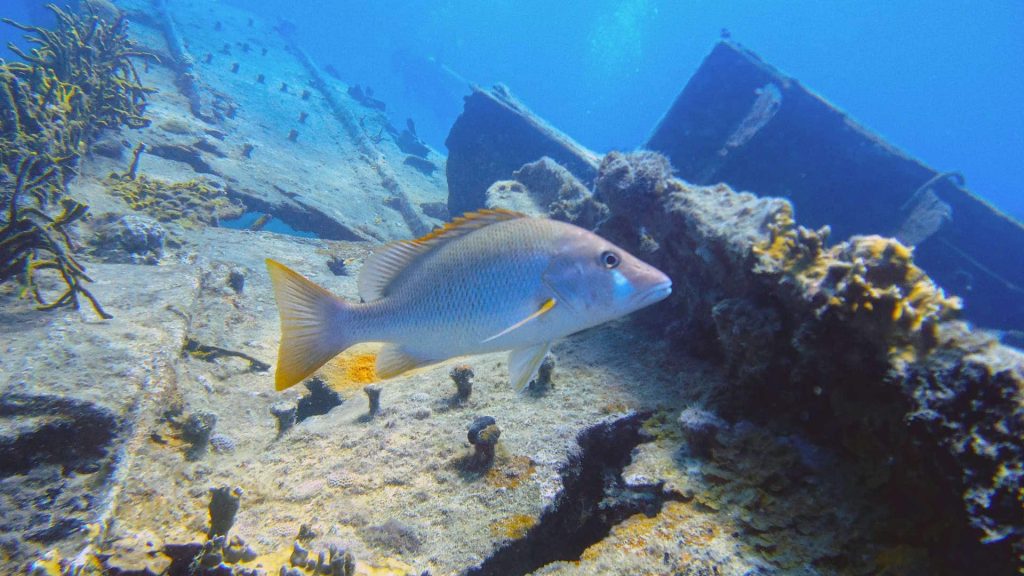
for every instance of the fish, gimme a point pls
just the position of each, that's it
(489, 281)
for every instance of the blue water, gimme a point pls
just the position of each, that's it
(246, 220)
(943, 80)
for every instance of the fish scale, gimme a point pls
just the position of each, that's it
(479, 284)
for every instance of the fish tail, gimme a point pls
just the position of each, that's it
(312, 325)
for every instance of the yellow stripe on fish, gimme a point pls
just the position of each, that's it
(491, 280)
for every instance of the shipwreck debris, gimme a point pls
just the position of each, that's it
(738, 115)
(478, 156)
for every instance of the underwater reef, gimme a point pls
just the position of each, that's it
(78, 80)
(801, 404)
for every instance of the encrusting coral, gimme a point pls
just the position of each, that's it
(868, 281)
(189, 203)
(77, 81)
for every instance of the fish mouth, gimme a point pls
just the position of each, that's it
(654, 294)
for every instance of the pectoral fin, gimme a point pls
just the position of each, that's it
(394, 359)
(544, 309)
(523, 364)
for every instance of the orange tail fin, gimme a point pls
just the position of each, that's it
(312, 321)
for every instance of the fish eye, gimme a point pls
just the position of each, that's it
(609, 259)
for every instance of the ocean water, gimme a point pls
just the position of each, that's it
(221, 354)
(941, 80)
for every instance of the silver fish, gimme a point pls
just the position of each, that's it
(491, 280)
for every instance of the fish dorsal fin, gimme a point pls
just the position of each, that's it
(388, 261)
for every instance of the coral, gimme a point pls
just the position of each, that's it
(127, 238)
(197, 430)
(236, 280)
(284, 414)
(133, 168)
(222, 443)
(238, 551)
(320, 400)
(633, 182)
(77, 81)
(373, 395)
(970, 391)
(483, 434)
(743, 328)
(87, 55)
(205, 352)
(561, 195)
(508, 472)
(224, 504)
(542, 384)
(393, 536)
(513, 527)
(299, 555)
(337, 266)
(700, 429)
(868, 282)
(337, 562)
(852, 346)
(462, 375)
(188, 204)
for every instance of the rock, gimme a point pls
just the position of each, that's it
(108, 147)
(561, 194)
(512, 195)
(495, 135)
(544, 188)
(128, 238)
(742, 122)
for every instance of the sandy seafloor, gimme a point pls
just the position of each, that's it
(392, 489)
